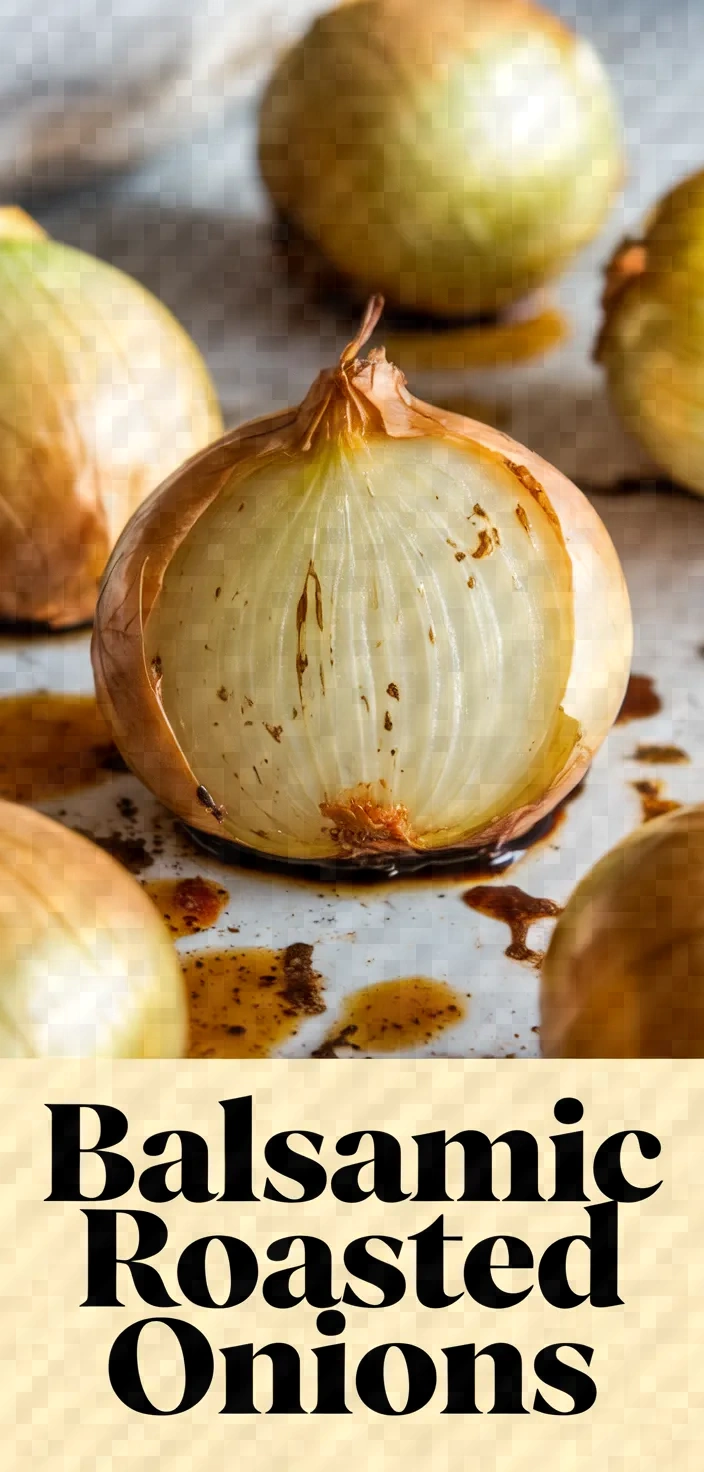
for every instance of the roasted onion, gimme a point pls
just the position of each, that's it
(102, 394)
(364, 626)
(454, 155)
(652, 338)
(624, 973)
(87, 967)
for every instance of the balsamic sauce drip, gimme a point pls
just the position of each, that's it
(518, 910)
(482, 863)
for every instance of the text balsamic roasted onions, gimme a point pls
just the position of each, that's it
(87, 967)
(102, 394)
(364, 626)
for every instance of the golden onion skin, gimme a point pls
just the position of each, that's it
(452, 155)
(651, 342)
(624, 973)
(88, 967)
(314, 640)
(102, 394)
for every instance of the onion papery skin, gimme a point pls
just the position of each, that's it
(88, 968)
(362, 627)
(651, 342)
(102, 395)
(624, 973)
(452, 155)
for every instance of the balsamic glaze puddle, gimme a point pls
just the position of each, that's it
(484, 863)
(53, 744)
(188, 906)
(387, 1016)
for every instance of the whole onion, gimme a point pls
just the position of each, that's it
(624, 972)
(652, 338)
(102, 394)
(87, 966)
(364, 626)
(453, 155)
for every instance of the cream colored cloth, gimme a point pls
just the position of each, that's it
(90, 85)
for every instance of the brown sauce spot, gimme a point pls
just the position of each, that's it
(274, 731)
(132, 853)
(470, 582)
(51, 745)
(390, 1015)
(245, 1003)
(653, 804)
(431, 634)
(460, 556)
(518, 910)
(523, 518)
(484, 546)
(660, 755)
(388, 723)
(640, 701)
(393, 691)
(187, 905)
(222, 693)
